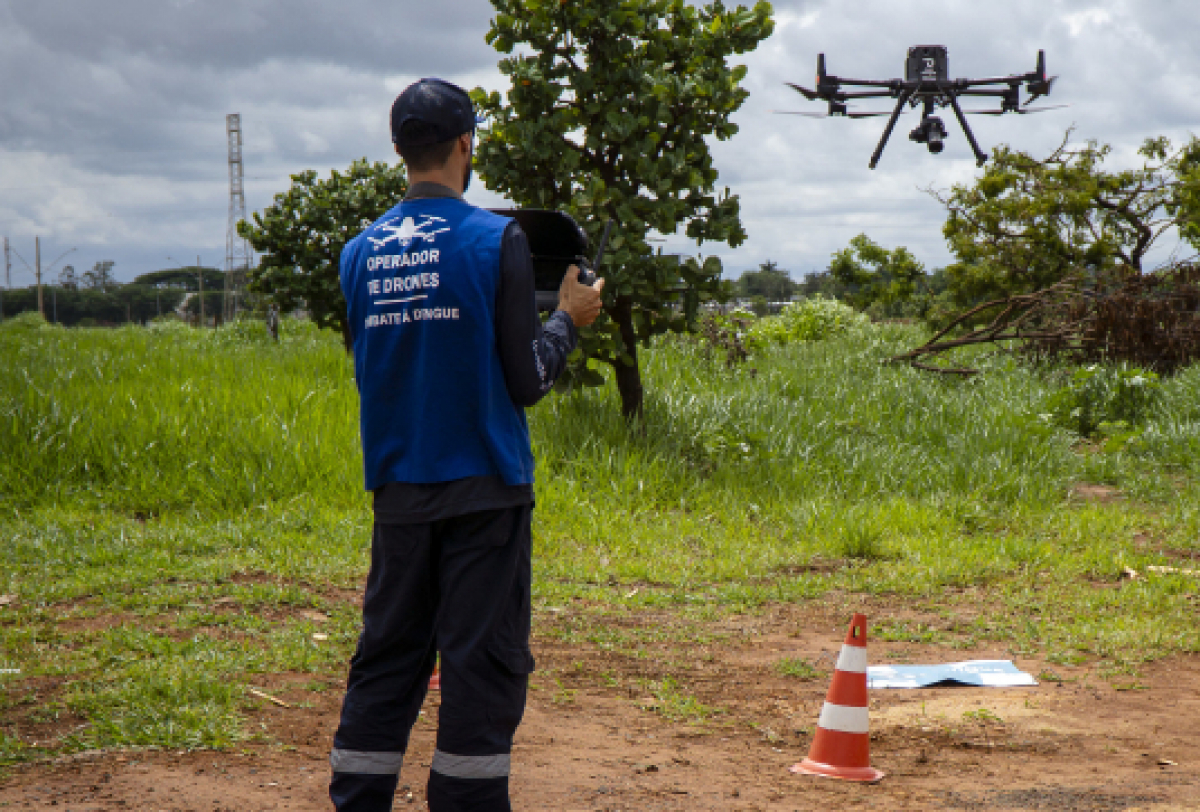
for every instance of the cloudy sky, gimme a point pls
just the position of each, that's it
(112, 114)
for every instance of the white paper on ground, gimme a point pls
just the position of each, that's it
(978, 673)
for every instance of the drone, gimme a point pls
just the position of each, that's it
(927, 83)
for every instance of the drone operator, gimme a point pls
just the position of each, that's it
(448, 350)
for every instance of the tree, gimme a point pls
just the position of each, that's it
(214, 301)
(301, 235)
(873, 275)
(100, 277)
(186, 277)
(1027, 223)
(607, 116)
(95, 307)
(67, 278)
(769, 281)
(821, 284)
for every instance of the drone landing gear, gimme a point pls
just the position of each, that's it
(980, 155)
(931, 131)
(905, 95)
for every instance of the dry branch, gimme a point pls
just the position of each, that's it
(1152, 320)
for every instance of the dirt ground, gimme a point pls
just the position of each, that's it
(598, 737)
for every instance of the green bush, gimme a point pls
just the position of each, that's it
(29, 320)
(726, 335)
(809, 320)
(1105, 400)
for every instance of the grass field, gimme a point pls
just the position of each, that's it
(182, 510)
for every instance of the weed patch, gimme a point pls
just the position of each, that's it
(799, 668)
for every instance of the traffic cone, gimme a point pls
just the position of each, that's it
(841, 748)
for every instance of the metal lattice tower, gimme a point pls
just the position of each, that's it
(237, 250)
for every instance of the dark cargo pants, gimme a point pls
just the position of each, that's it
(458, 586)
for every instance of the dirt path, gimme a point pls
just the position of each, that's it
(608, 729)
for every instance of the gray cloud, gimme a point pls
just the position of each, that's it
(112, 126)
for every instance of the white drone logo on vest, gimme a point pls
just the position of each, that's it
(409, 231)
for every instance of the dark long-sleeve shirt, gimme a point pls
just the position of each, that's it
(532, 357)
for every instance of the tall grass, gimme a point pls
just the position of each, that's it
(146, 421)
(152, 420)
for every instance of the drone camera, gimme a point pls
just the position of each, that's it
(936, 144)
(931, 132)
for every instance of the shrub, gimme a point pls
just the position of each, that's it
(809, 320)
(29, 320)
(1104, 400)
(727, 335)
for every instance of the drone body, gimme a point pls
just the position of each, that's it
(927, 83)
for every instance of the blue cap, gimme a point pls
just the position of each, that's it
(431, 111)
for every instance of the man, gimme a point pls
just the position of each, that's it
(448, 349)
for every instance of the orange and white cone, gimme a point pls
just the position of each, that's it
(842, 745)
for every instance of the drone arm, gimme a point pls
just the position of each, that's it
(961, 84)
(997, 93)
(980, 155)
(866, 94)
(892, 84)
(891, 125)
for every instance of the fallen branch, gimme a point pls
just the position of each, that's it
(1152, 320)
(268, 697)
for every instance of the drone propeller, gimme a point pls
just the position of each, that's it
(804, 91)
(1040, 88)
(1021, 111)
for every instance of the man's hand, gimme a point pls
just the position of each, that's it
(580, 302)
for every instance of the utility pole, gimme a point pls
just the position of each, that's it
(37, 261)
(200, 273)
(7, 276)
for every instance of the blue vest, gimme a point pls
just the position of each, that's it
(420, 287)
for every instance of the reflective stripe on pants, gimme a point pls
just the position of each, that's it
(453, 766)
(364, 763)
